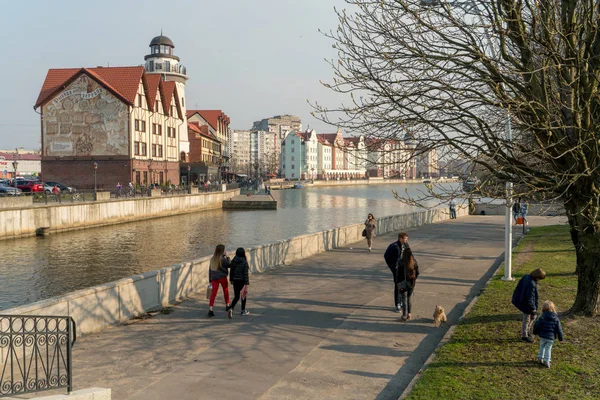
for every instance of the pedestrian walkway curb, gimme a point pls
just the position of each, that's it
(448, 335)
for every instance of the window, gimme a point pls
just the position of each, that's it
(145, 176)
(137, 177)
(293, 148)
(140, 101)
(150, 65)
(153, 150)
(283, 166)
(140, 125)
(161, 177)
(182, 102)
(292, 158)
(157, 129)
(293, 141)
(143, 149)
(293, 166)
(136, 148)
(160, 154)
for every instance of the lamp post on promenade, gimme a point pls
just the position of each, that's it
(95, 181)
(15, 164)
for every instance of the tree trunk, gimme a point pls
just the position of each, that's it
(586, 238)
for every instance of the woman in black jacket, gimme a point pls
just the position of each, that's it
(238, 276)
(408, 270)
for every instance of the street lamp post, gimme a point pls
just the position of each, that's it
(189, 181)
(15, 164)
(95, 181)
(151, 181)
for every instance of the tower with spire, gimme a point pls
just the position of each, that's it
(163, 61)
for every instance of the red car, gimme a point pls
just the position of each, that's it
(30, 186)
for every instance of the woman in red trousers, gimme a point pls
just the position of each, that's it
(217, 274)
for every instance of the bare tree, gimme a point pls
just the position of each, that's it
(450, 72)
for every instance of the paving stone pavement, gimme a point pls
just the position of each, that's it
(320, 328)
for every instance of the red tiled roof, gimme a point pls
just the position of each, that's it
(153, 81)
(202, 130)
(210, 116)
(167, 88)
(30, 157)
(353, 139)
(122, 81)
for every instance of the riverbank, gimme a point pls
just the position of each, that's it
(320, 328)
(99, 307)
(23, 222)
(486, 347)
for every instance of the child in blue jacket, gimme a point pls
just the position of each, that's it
(548, 328)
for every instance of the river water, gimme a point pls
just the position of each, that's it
(37, 268)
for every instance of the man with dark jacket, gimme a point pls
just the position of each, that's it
(525, 298)
(393, 257)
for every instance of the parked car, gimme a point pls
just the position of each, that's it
(30, 186)
(9, 191)
(63, 188)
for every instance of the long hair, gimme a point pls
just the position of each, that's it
(408, 261)
(240, 252)
(548, 306)
(217, 258)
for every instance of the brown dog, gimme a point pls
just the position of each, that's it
(439, 315)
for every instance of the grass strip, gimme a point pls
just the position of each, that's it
(486, 359)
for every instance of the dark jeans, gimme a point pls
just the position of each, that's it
(405, 301)
(452, 213)
(237, 289)
(394, 273)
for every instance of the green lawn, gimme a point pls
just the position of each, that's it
(485, 359)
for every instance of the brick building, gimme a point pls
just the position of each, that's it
(121, 119)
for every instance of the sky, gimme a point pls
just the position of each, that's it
(250, 58)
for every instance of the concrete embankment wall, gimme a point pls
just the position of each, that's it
(99, 307)
(22, 222)
(372, 181)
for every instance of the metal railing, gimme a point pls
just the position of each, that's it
(36, 353)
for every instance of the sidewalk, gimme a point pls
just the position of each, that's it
(323, 327)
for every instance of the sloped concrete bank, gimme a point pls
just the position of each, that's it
(22, 222)
(102, 306)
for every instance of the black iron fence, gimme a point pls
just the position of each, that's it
(63, 197)
(36, 353)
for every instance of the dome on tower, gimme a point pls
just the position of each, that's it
(162, 40)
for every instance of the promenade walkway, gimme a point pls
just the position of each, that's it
(321, 328)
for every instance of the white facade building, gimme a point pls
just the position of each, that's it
(164, 62)
(299, 155)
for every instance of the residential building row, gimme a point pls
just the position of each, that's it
(310, 155)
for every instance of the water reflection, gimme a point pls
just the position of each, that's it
(38, 268)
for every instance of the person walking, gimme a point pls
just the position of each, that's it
(548, 328)
(408, 271)
(452, 205)
(393, 255)
(516, 208)
(240, 280)
(370, 225)
(525, 298)
(523, 210)
(217, 275)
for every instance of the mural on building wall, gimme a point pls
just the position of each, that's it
(85, 119)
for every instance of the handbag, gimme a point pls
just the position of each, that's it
(208, 291)
(364, 233)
